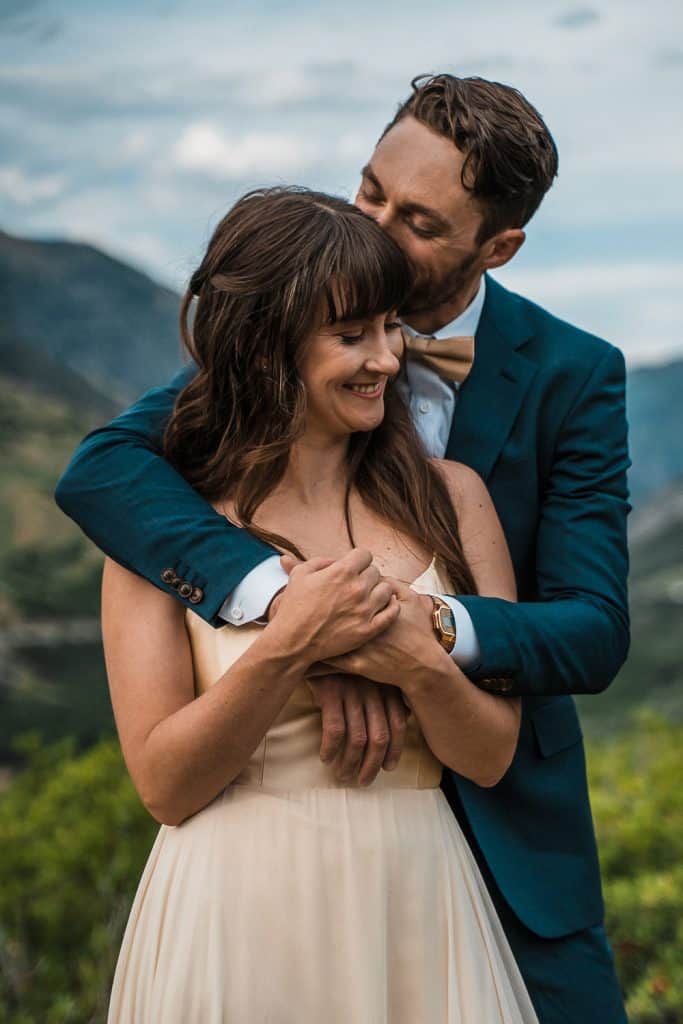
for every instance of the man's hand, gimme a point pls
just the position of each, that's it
(363, 726)
(405, 647)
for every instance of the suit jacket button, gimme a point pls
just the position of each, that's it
(185, 589)
(196, 596)
(176, 581)
(168, 575)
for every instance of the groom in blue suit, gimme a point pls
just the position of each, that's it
(455, 177)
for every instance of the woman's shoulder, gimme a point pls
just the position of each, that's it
(465, 486)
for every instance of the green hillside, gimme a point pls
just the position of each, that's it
(655, 414)
(101, 318)
(53, 676)
(51, 671)
(80, 334)
(653, 674)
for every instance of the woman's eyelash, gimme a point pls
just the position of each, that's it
(390, 325)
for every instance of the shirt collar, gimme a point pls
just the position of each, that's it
(467, 322)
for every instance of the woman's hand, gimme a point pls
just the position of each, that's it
(328, 608)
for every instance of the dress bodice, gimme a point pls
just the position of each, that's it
(288, 756)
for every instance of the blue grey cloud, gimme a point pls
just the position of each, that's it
(672, 58)
(579, 17)
(24, 18)
(136, 125)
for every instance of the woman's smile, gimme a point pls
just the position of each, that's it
(365, 390)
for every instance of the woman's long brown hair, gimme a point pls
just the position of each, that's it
(275, 261)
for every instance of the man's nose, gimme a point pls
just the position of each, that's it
(384, 217)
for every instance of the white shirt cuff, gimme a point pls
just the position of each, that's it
(250, 598)
(466, 652)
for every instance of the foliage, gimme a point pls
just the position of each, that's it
(653, 673)
(74, 839)
(638, 808)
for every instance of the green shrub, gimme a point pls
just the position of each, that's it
(638, 808)
(74, 839)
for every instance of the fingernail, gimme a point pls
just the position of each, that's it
(390, 765)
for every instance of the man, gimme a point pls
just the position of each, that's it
(454, 179)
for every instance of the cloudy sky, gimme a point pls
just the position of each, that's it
(134, 125)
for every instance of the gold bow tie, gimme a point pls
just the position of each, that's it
(451, 358)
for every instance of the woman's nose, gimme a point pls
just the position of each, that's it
(385, 358)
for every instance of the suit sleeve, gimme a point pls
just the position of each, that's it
(575, 637)
(144, 515)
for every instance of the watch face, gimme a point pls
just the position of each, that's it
(447, 620)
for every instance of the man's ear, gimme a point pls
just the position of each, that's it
(500, 249)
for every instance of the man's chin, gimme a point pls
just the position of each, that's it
(416, 306)
(420, 303)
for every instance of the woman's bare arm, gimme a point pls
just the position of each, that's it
(181, 751)
(473, 732)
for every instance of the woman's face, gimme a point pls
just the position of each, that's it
(345, 371)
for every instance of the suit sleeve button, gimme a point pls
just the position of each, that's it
(185, 589)
(196, 596)
(168, 575)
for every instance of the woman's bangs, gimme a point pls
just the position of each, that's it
(371, 276)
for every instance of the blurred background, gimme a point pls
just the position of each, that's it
(126, 130)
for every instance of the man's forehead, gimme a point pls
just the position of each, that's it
(417, 166)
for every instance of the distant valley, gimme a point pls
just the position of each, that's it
(81, 335)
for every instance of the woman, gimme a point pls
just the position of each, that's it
(275, 892)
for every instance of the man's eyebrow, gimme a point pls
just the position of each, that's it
(367, 172)
(436, 218)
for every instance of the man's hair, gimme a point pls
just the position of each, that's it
(510, 156)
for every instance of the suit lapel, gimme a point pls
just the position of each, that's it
(491, 397)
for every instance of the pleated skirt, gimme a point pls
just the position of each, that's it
(343, 906)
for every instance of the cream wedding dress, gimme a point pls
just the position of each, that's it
(294, 899)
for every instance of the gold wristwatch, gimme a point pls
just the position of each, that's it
(443, 622)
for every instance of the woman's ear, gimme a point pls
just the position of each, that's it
(500, 249)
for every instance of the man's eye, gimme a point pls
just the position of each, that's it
(422, 232)
(371, 197)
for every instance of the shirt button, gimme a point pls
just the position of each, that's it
(237, 614)
(424, 407)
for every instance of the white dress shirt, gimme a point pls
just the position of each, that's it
(432, 404)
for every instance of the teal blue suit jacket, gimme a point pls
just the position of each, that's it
(542, 419)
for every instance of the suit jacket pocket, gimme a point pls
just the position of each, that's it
(556, 726)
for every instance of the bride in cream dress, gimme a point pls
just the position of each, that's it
(276, 891)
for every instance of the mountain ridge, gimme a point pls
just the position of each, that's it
(72, 305)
